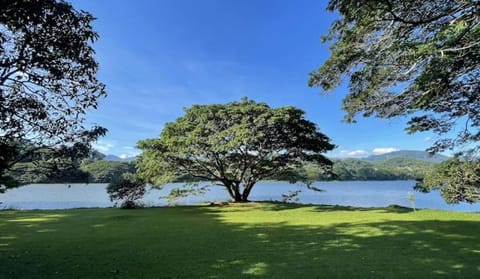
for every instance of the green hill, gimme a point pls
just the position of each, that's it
(408, 154)
(399, 165)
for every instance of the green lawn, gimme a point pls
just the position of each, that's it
(240, 241)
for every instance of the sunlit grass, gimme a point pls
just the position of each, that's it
(254, 240)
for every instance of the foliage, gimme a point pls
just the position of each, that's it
(408, 155)
(410, 58)
(127, 189)
(92, 169)
(101, 171)
(190, 189)
(291, 196)
(404, 168)
(96, 170)
(46, 165)
(361, 169)
(256, 240)
(411, 199)
(93, 156)
(29, 173)
(407, 57)
(457, 180)
(47, 82)
(234, 145)
(38, 166)
(8, 153)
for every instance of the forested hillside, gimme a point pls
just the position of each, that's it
(401, 165)
(395, 168)
(408, 154)
(94, 169)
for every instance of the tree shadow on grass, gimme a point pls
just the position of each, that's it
(325, 208)
(387, 249)
(206, 242)
(379, 249)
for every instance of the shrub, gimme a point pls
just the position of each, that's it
(127, 190)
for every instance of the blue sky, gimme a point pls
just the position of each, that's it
(158, 57)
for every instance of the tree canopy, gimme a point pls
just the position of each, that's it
(47, 80)
(419, 59)
(233, 145)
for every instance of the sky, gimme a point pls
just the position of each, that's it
(158, 57)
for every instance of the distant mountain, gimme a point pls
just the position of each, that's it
(407, 154)
(111, 157)
(398, 165)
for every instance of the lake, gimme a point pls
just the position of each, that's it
(349, 193)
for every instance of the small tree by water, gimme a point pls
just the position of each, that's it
(411, 199)
(128, 189)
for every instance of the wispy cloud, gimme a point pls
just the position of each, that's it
(353, 154)
(384, 150)
(103, 146)
(360, 153)
(129, 151)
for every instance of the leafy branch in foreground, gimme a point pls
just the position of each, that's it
(47, 82)
(418, 58)
(415, 58)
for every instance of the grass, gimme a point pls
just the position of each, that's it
(257, 240)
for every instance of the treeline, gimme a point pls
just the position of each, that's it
(93, 169)
(358, 169)
(391, 169)
(97, 170)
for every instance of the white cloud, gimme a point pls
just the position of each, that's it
(103, 146)
(428, 139)
(129, 152)
(383, 150)
(353, 154)
(128, 155)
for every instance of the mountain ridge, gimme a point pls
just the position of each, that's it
(115, 158)
(407, 154)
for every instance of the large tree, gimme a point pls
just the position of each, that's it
(233, 145)
(409, 58)
(47, 81)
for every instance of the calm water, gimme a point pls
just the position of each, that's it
(352, 193)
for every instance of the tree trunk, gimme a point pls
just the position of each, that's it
(238, 195)
(238, 198)
(235, 193)
(233, 190)
(246, 192)
(229, 189)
